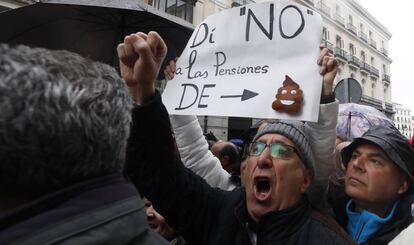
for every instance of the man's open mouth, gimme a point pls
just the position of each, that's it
(262, 188)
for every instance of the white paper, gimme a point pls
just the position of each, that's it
(249, 50)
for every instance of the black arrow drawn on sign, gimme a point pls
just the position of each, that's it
(247, 94)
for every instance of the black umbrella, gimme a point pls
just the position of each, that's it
(91, 28)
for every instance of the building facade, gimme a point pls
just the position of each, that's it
(361, 45)
(358, 41)
(403, 120)
(412, 125)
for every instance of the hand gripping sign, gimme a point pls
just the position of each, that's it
(256, 60)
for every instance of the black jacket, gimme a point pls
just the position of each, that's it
(202, 214)
(402, 218)
(105, 210)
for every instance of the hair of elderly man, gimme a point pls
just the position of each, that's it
(64, 119)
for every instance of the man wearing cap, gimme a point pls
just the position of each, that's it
(376, 205)
(272, 208)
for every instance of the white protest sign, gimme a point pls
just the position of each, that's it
(258, 60)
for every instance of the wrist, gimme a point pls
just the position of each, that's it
(327, 98)
(140, 95)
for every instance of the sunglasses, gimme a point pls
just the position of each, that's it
(278, 150)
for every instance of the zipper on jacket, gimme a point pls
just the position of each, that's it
(360, 231)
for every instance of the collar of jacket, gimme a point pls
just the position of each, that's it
(83, 201)
(363, 224)
(275, 226)
(402, 218)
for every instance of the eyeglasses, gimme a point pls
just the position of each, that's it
(278, 150)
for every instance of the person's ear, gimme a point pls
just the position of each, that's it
(307, 181)
(404, 186)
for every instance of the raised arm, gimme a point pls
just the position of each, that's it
(152, 165)
(193, 147)
(322, 134)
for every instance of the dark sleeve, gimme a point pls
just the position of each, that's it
(187, 202)
(328, 99)
(337, 200)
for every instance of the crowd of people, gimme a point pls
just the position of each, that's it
(91, 157)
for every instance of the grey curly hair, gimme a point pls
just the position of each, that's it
(64, 119)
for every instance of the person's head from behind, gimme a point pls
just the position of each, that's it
(64, 119)
(228, 154)
(279, 168)
(379, 166)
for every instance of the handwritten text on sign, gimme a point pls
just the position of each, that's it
(258, 61)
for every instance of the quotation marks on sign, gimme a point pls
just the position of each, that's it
(268, 31)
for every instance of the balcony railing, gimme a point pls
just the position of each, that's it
(378, 104)
(384, 51)
(365, 67)
(328, 45)
(363, 36)
(386, 78)
(322, 6)
(339, 19)
(374, 72)
(373, 43)
(354, 61)
(340, 54)
(352, 28)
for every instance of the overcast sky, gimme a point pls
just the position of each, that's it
(398, 17)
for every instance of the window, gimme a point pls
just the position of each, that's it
(351, 21)
(363, 58)
(179, 8)
(373, 90)
(325, 34)
(372, 61)
(361, 27)
(351, 49)
(339, 41)
(384, 68)
(338, 9)
(363, 86)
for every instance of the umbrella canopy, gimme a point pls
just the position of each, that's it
(355, 119)
(91, 28)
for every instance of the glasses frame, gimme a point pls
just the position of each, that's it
(292, 149)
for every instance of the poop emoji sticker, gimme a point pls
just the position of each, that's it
(289, 97)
